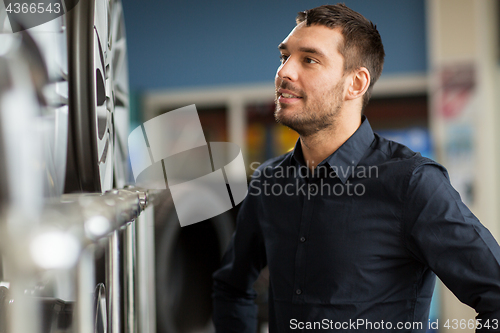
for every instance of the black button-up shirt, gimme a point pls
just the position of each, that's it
(355, 246)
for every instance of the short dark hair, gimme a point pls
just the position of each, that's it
(362, 45)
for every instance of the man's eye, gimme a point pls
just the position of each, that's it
(311, 61)
(283, 58)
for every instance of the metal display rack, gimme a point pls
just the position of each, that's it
(63, 243)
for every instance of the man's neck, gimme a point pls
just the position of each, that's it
(318, 146)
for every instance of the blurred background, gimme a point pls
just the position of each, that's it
(437, 94)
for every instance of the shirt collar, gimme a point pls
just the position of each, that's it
(347, 157)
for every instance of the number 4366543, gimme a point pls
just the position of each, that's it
(471, 324)
(33, 8)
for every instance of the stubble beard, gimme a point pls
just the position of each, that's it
(320, 114)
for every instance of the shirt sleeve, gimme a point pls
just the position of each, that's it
(442, 233)
(233, 297)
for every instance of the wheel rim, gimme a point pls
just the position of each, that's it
(111, 92)
(33, 114)
(19, 109)
(44, 49)
(50, 37)
(4, 26)
(100, 318)
(121, 95)
(103, 102)
(98, 97)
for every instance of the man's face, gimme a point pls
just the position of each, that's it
(310, 81)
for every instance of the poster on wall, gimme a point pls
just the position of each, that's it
(456, 105)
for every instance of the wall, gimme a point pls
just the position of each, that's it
(179, 44)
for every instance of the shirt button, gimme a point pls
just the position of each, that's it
(298, 291)
(302, 239)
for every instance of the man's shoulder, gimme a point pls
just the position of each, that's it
(399, 156)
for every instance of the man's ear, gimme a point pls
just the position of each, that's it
(359, 83)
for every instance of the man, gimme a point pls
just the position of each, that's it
(353, 227)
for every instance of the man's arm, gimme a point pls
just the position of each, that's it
(233, 298)
(443, 233)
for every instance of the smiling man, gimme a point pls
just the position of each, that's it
(354, 227)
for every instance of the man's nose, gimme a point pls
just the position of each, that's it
(288, 70)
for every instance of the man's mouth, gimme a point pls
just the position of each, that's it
(286, 94)
(289, 95)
